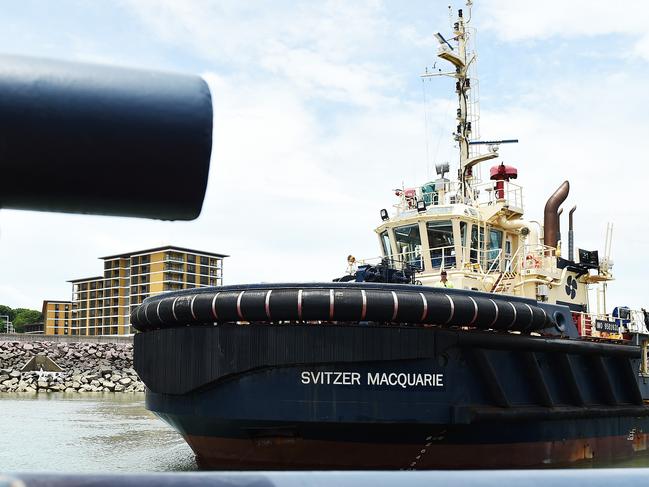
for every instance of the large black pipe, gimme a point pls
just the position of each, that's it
(550, 215)
(82, 138)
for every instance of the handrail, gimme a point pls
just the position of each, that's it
(444, 258)
(418, 255)
(438, 193)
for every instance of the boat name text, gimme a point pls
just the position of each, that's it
(400, 379)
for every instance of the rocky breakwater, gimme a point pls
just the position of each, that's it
(87, 367)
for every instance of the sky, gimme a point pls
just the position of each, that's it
(320, 111)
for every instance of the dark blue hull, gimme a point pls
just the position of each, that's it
(477, 401)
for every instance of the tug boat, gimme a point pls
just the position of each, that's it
(501, 363)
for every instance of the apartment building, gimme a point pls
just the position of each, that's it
(57, 317)
(101, 305)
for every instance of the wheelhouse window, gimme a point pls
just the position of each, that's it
(477, 241)
(440, 240)
(408, 242)
(495, 246)
(385, 244)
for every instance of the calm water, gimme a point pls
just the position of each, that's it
(87, 433)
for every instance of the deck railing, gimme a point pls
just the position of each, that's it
(440, 193)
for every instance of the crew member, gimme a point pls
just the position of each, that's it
(352, 266)
(443, 281)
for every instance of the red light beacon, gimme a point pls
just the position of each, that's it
(500, 174)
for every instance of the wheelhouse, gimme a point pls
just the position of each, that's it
(454, 238)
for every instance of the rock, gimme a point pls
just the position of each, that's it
(98, 366)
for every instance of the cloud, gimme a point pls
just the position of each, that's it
(513, 20)
(641, 48)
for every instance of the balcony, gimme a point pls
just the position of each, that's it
(175, 258)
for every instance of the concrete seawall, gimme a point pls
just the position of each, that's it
(22, 337)
(89, 364)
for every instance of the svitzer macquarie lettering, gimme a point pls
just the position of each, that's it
(333, 378)
(405, 380)
(394, 379)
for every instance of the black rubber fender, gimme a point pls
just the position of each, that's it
(340, 303)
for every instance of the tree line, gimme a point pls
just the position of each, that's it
(19, 317)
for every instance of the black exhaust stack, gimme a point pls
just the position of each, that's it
(551, 216)
(571, 235)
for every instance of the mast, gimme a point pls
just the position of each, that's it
(461, 87)
(462, 59)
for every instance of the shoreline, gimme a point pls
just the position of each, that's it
(86, 366)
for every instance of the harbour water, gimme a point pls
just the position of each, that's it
(93, 432)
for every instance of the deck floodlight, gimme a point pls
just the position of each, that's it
(442, 41)
(421, 206)
(442, 168)
(384, 215)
